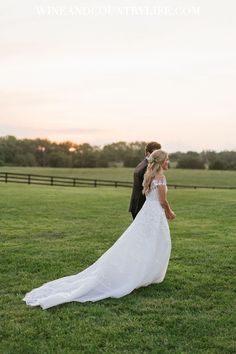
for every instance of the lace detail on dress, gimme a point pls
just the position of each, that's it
(160, 182)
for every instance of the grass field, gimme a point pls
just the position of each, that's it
(178, 176)
(50, 232)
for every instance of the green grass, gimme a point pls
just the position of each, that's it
(178, 176)
(50, 232)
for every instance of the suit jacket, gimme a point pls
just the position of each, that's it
(137, 198)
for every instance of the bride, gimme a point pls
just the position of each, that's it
(138, 258)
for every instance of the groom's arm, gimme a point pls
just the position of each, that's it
(141, 176)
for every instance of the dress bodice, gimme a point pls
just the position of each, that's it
(153, 193)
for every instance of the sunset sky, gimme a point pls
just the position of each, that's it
(106, 71)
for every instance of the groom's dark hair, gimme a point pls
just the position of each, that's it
(150, 147)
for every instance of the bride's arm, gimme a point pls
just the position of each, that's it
(164, 202)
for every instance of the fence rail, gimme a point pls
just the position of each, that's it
(10, 177)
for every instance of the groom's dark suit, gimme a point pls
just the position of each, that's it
(137, 198)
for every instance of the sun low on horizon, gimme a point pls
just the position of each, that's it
(119, 71)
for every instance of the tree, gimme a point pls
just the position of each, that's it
(58, 159)
(224, 160)
(84, 156)
(43, 152)
(10, 148)
(190, 162)
(27, 159)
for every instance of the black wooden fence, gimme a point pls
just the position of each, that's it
(10, 177)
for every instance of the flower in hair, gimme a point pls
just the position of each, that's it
(152, 160)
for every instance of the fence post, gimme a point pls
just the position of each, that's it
(6, 175)
(28, 179)
(74, 182)
(95, 183)
(51, 180)
(116, 184)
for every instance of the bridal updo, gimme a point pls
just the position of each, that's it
(155, 161)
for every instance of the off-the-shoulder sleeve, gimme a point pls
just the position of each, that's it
(159, 182)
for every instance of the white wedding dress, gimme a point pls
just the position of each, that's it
(138, 258)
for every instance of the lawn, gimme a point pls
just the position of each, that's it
(174, 176)
(50, 232)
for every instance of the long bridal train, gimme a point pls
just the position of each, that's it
(138, 258)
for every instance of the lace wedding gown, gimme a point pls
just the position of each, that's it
(138, 258)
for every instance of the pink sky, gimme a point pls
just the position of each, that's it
(127, 70)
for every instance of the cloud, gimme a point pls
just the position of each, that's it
(28, 131)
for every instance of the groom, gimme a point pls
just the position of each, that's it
(137, 198)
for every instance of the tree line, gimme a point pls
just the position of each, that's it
(44, 153)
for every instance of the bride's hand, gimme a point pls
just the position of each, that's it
(171, 215)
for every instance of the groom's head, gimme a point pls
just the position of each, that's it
(150, 147)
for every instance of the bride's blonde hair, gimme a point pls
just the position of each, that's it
(155, 161)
